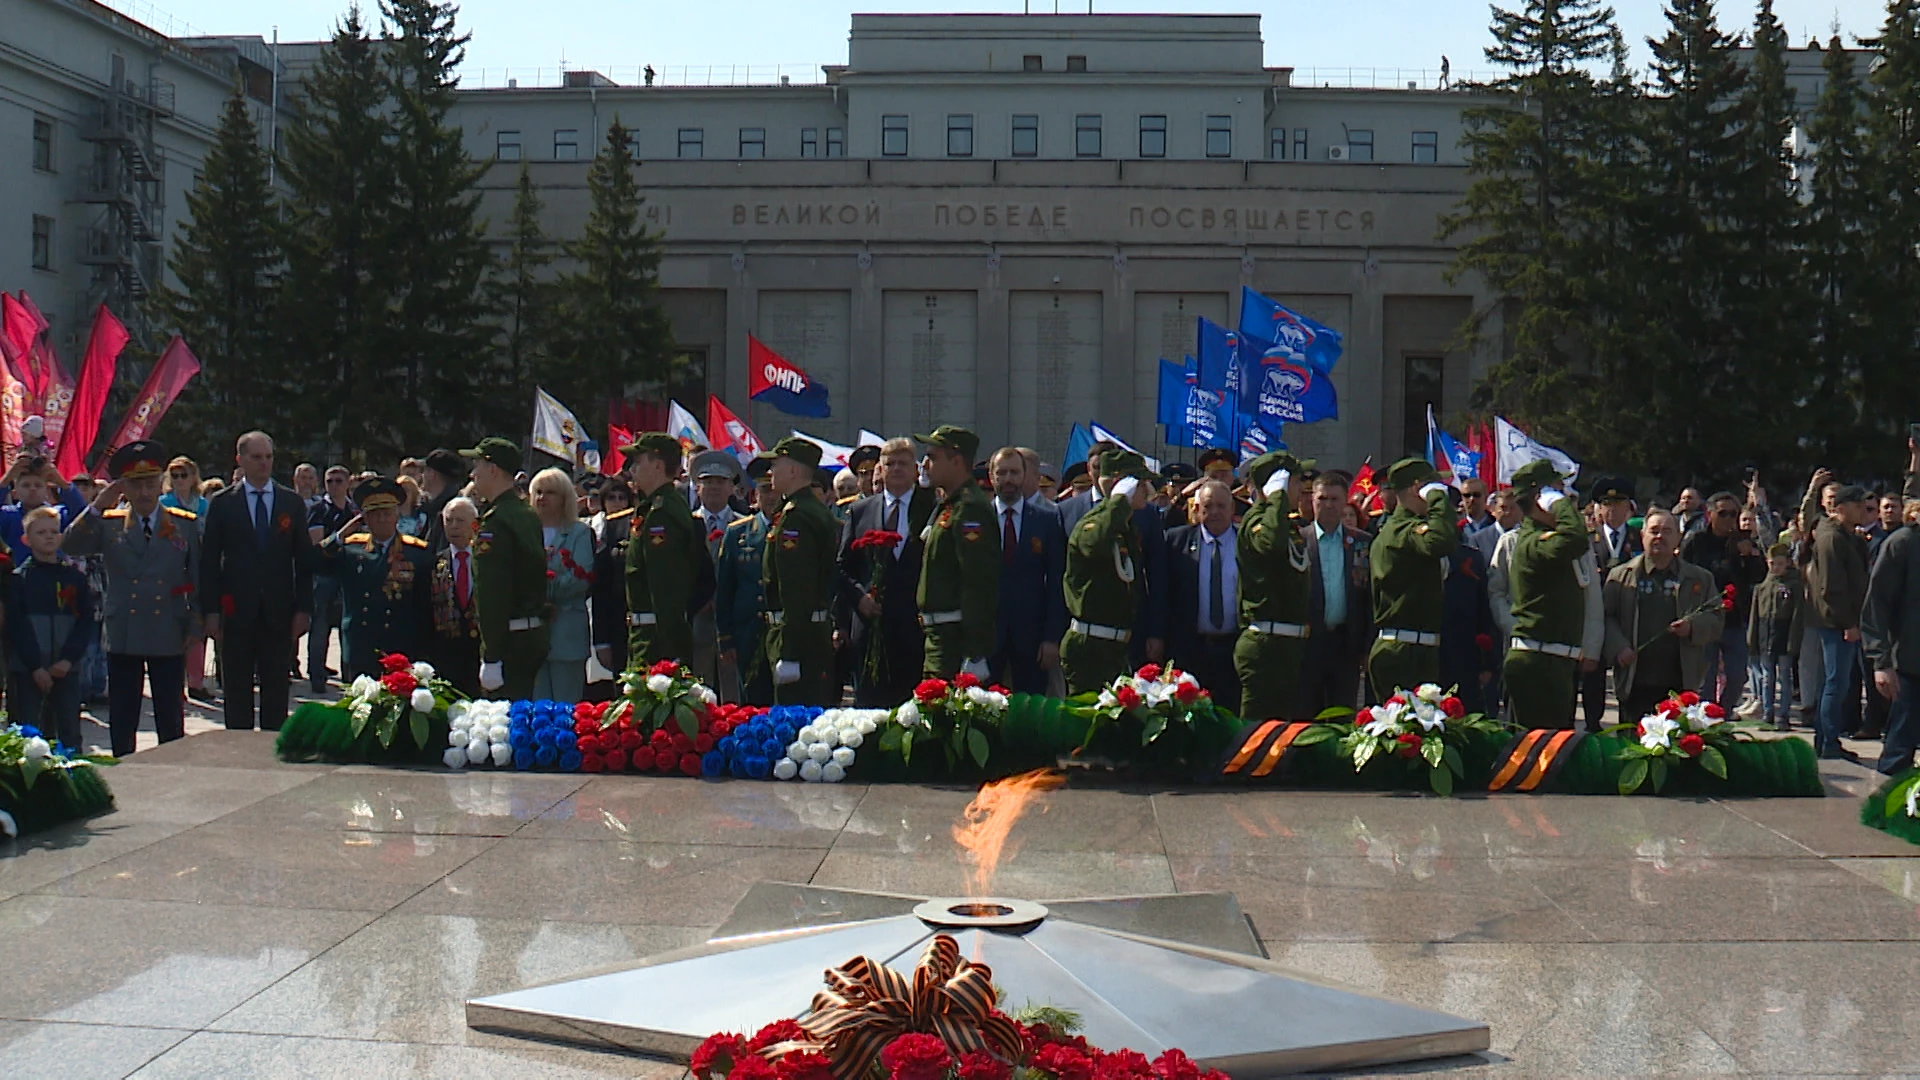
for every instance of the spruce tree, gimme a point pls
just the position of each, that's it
(1838, 269)
(1890, 393)
(436, 236)
(612, 337)
(520, 297)
(340, 259)
(226, 260)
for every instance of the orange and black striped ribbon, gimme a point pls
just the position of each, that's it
(1259, 751)
(1533, 758)
(867, 1005)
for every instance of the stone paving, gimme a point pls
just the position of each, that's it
(240, 917)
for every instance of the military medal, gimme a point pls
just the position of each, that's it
(1122, 563)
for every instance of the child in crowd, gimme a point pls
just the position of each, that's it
(49, 623)
(32, 483)
(1774, 628)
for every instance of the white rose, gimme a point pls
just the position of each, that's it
(1107, 700)
(8, 826)
(807, 734)
(866, 725)
(659, 684)
(705, 696)
(37, 748)
(827, 736)
(852, 739)
(364, 686)
(499, 733)
(907, 715)
(810, 772)
(819, 753)
(459, 714)
(832, 773)
(785, 769)
(457, 737)
(478, 752)
(1430, 692)
(422, 700)
(455, 757)
(797, 752)
(843, 757)
(421, 671)
(502, 754)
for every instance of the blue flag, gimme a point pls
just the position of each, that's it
(1251, 439)
(1170, 408)
(1285, 390)
(1079, 444)
(1217, 350)
(1210, 414)
(1279, 326)
(1455, 462)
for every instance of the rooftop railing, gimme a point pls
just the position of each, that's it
(670, 75)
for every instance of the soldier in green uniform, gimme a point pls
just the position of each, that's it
(739, 598)
(1408, 585)
(1549, 600)
(386, 582)
(1275, 582)
(1102, 576)
(798, 573)
(509, 574)
(663, 556)
(959, 597)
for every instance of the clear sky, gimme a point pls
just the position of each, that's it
(803, 34)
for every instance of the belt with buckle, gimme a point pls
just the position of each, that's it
(525, 624)
(1102, 633)
(777, 618)
(642, 618)
(1550, 648)
(930, 619)
(1278, 629)
(1410, 637)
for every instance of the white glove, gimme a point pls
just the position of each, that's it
(1275, 484)
(1433, 490)
(1124, 488)
(786, 671)
(1549, 496)
(490, 677)
(977, 667)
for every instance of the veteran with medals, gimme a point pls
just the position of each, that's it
(1549, 589)
(959, 591)
(386, 582)
(1275, 592)
(798, 572)
(1409, 584)
(151, 555)
(1102, 577)
(510, 574)
(665, 551)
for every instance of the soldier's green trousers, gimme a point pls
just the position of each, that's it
(520, 665)
(1400, 665)
(941, 655)
(661, 641)
(1269, 670)
(813, 644)
(1090, 664)
(1541, 688)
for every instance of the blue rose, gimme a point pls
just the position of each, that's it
(570, 761)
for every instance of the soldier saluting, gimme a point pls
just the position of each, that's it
(959, 597)
(664, 554)
(509, 576)
(386, 581)
(798, 573)
(1549, 600)
(1275, 582)
(1103, 563)
(1408, 586)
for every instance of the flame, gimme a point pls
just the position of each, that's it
(985, 824)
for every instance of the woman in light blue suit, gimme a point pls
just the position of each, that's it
(569, 579)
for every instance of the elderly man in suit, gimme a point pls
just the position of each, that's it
(256, 583)
(1339, 607)
(1203, 589)
(1033, 556)
(151, 554)
(877, 588)
(455, 651)
(1661, 612)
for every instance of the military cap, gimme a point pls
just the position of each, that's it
(1536, 474)
(1851, 493)
(980, 472)
(495, 450)
(138, 460)
(863, 457)
(759, 467)
(378, 493)
(823, 478)
(1076, 471)
(1612, 489)
(1219, 455)
(654, 442)
(709, 463)
(953, 438)
(1262, 468)
(1410, 472)
(1180, 470)
(795, 448)
(1052, 472)
(1119, 464)
(447, 464)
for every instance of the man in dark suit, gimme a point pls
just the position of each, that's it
(256, 583)
(440, 478)
(1339, 603)
(1202, 587)
(887, 669)
(1033, 558)
(1615, 544)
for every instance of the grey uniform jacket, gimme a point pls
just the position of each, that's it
(151, 603)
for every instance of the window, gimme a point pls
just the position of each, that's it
(1076, 63)
(809, 142)
(1426, 147)
(1030, 63)
(1219, 136)
(42, 243)
(1153, 136)
(1026, 136)
(1299, 144)
(960, 136)
(1421, 388)
(506, 146)
(753, 142)
(893, 136)
(1086, 136)
(836, 142)
(1277, 144)
(43, 144)
(693, 142)
(1359, 144)
(566, 144)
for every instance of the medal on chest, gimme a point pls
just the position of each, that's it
(1122, 562)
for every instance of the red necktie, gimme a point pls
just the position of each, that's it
(460, 586)
(1008, 541)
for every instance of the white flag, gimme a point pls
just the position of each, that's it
(1513, 449)
(1101, 434)
(681, 425)
(868, 438)
(555, 429)
(831, 454)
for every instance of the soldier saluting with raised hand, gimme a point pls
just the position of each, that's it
(1275, 579)
(798, 572)
(386, 580)
(1103, 567)
(509, 574)
(959, 597)
(1409, 588)
(1549, 600)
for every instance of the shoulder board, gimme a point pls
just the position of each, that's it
(179, 513)
(740, 522)
(117, 512)
(849, 500)
(618, 514)
(358, 538)
(412, 541)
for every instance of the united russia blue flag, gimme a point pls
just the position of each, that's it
(1217, 350)
(1268, 320)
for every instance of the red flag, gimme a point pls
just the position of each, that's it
(164, 383)
(21, 325)
(90, 400)
(13, 408)
(613, 460)
(57, 405)
(1489, 456)
(729, 432)
(1365, 491)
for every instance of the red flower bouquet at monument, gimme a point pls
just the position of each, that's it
(407, 690)
(871, 543)
(1426, 724)
(957, 714)
(1154, 699)
(1682, 729)
(667, 691)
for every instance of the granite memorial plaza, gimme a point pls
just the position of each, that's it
(997, 222)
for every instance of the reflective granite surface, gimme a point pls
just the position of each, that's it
(238, 917)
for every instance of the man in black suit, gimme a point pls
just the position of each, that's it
(256, 583)
(887, 676)
(1614, 544)
(440, 479)
(1203, 593)
(1339, 603)
(1033, 561)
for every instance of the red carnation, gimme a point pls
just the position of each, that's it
(980, 1065)
(1063, 1062)
(1453, 707)
(779, 1031)
(1689, 699)
(1186, 693)
(1727, 589)
(1149, 673)
(690, 764)
(642, 759)
(1726, 604)
(1639, 730)
(753, 1067)
(1691, 744)
(615, 760)
(717, 1055)
(1123, 1065)
(916, 1057)
(394, 662)
(1714, 711)
(592, 763)
(1667, 707)
(805, 1065)
(1127, 697)
(398, 683)
(998, 689)
(930, 691)
(1409, 745)
(1175, 1065)
(664, 667)
(1483, 642)
(966, 680)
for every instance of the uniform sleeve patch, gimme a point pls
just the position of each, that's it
(970, 530)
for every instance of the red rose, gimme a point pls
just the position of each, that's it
(660, 740)
(805, 1065)
(1689, 699)
(1397, 699)
(702, 743)
(665, 667)
(398, 683)
(1714, 711)
(1128, 697)
(680, 743)
(753, 1067)
(966, 680)
(717, 1055)
(1483, 642)
(592, 763)
(1063, 1062)
(1123, 1065)
(722, 728)
(631, 740)
(1186, 693)
(998, 689)
(615, 760)
(1409, 745)
(226, 607)
(1691, 744)
(778, 1032)
(1149, 673)
(587, 745)
(642, 759)
(916, 1057)
(394, 662)
(666, 763)
(980, 1065)
(690, 764)
(1175, 1065)
(1667, 707)
(930, 691)
(1639, 730)
(1453, 707)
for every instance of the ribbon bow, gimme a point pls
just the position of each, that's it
(867, 1005)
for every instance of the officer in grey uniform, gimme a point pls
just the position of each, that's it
(152, 558)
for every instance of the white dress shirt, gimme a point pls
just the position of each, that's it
(1000, 508)
(1229, 582)
(888, 500)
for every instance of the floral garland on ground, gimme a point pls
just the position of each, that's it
(1157, 697)
(1681, 729)
(941, 1023)
(409, 691)
(1425, 723)
(1895, 808)
(667, 691)
(823, 751)
(25, 757)
(955, 714)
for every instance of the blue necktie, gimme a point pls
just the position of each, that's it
(260, 517)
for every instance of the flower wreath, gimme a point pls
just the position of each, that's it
(956, 714)
(409, 690)
(1680, 729)
(667, 691)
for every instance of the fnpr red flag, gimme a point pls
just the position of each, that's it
(169, 376)
(612, 460)
(729, 432)
(1365, 490)
(90, 400)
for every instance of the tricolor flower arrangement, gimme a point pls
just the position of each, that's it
(755, 740)
(956, 714)
(1426, 723)
(1153, 698)
(666, 692)
(613, 739)
(408, 692)
(1680, 729)
(823, 751)
(478, 733)
(942, 1022)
